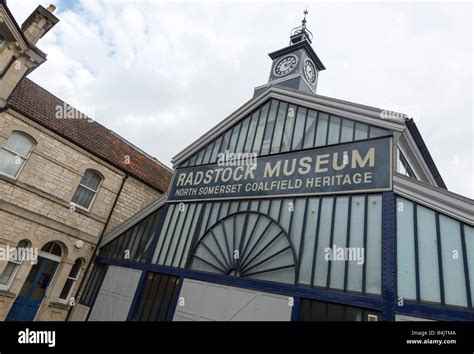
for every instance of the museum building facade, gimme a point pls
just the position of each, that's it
(295, 207)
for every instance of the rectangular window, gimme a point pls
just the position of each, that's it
(321, 130)
(373, 256)
(310, 129)
(453, 263)
(354, 276)
(339, 241)
(469, 241)
(312, 310)
(361, 131)
(428, 255)
(243, 135)
(347, 130)
(406, 273)
(288, 130)
(262, 120)
(251, 133)
(324, 230)
(269, 127)
(334, 126)
(299, 129)
(280, 122)
(155, 303)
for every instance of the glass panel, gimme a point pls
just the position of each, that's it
(171, 217)
(297, 222)
(406, 273)
(321, 270)
(7, 273)
(83, 197)
(335, 312)
(321, 130)
(200, 156)
(339, 241)
(376, 132)
(334, 126)
(347, 130)
(9, 163)
(428, 255)
(310, 129)
(234, 137)
(270, 125)
(469, 240)
(453, 263)
(91, 180)
(243, 135)
(256, 145)
(67, 288)
(19, 144)
(354, 276)
(251, 133)
(306, 261)
(207, 154)
(373, 253)
(353, 314)
(225, 143)
(299, 129)
(76, 268)
(280, 122)
(288, 131)
(361, 131)
(215, 150)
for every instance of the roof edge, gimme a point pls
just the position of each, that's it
(413, 129)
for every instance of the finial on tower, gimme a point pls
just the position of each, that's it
(301, 32)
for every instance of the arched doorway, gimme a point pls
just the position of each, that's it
(34, 289)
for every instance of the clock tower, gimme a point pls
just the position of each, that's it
(296, 66)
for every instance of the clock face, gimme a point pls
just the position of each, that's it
(309, 71)
(285, 65)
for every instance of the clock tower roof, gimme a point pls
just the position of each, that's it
(296, 66)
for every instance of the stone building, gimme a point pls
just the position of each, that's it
(65, 181)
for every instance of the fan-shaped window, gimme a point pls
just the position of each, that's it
(71, 279)
(87, 189)
(14, 153)
(246, 244)
(14, 263)
(52, 248)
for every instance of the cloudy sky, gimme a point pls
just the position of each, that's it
(162, 73)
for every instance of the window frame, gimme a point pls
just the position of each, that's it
(90, 189)
(16, 270)
(24, 158)
(74, 281)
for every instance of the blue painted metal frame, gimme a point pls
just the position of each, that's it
(372, 302)
(388, 256)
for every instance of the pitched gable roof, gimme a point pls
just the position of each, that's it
(40, 106)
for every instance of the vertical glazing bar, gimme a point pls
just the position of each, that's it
(327, 129)
(303, 231)
(364, 269)
(316, 241)
(389, 260)
(265, 127)
(331, 237)
(440, 259)
(417, 263)
(466, 266)
(348, 240)
(315, 129)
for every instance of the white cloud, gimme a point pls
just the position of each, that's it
(162, 73)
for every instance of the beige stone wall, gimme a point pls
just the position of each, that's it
(36, 206)
(134, 197)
